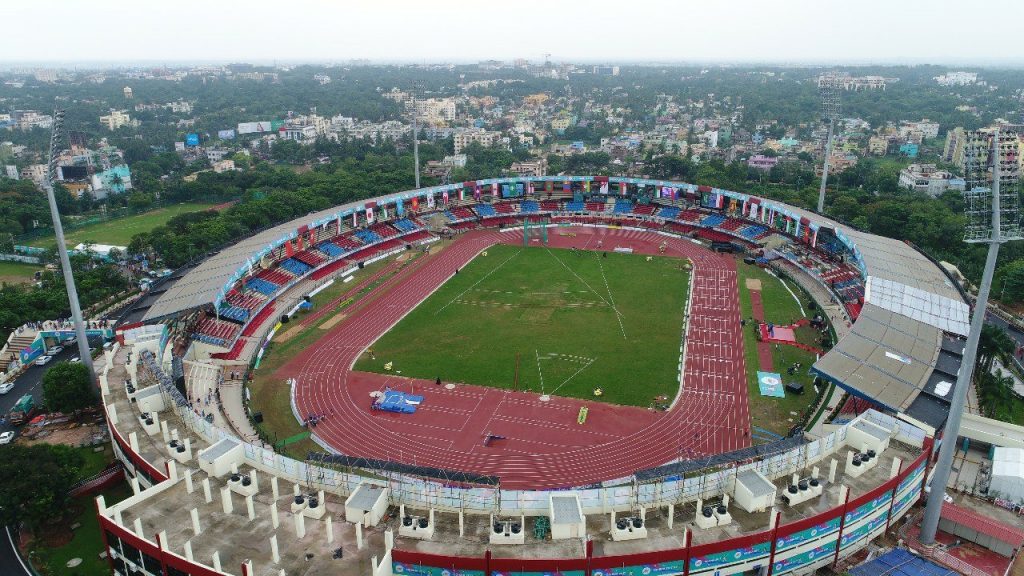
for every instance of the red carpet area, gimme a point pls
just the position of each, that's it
(544, 447)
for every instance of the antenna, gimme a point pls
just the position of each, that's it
(828, 87)
(993, 218)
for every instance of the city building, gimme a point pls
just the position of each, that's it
(957, 78)
(115, 120)
(300, 133)
(762, 162)
(531, 168)
(909, 149)
(455, 160)
(34, 172)
(29, 119)
(929, 179)
(466, 137)
(322, 79)
(128, 92)
(116, 180)
(606, 70)
(878, 145)
(223, 166)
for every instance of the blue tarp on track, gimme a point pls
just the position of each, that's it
(900, 562)
(400, 402)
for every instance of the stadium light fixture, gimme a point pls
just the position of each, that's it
(62, 250)
(993, 218)
(828, 87)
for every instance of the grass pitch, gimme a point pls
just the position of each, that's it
(577, 321)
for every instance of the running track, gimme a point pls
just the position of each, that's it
(545, 447)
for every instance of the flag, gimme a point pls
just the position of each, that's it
(289, 250)
(719, 200)
(462, 194)
(622, 188)
(604, 187)
(415, 203)
(814, 240)
(383, 213)
(494, 189)
(399, 208)
(444, 196)
(530, 187)
(369, 215)
(586, 185)
(549, 186)
(430, 201)
(477, 193)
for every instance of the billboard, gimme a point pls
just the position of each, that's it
(226, 134)
(254, 127)
(192, 139)
(179, 146)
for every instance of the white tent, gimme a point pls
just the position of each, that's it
(1007, 474)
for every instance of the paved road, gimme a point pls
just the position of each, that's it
(10, 563)
(1012, 331)
(31, 382)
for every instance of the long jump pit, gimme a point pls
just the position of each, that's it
(526, 440)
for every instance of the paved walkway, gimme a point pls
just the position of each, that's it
(764, 349)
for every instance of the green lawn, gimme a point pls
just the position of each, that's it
(86, 540)
(776, 414)
(17, 273)
(119, 232)
(577, 321)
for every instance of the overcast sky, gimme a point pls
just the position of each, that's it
(792, 31)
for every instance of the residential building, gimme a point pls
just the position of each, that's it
(954, 148)
(223, 166)
(465, 137)
(115, 120)
(455, 160)
(216, 155)
(305, 134)
(532, 168)
(116, 180)
(322, 79)
(606, 70)
(929, 179)
(34, 172)
(11, 171)
(29, 119)
(926, 127)
(562, 121)
(878, 145)
(957, 78)
(762, 162)
(127, 93)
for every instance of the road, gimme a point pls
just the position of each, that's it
(10, 562)
(1012, 331)
(31, 382)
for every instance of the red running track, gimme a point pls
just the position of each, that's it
(545, 447)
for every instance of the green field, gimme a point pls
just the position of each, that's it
(776, 414)
(119, 232)
(17, 273)
(576, 321)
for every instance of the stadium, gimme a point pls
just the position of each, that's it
(586, 374)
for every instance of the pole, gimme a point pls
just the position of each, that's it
(824, 168)
(62, 250)
(940, 477)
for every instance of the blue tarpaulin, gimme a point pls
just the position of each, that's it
(900, 562)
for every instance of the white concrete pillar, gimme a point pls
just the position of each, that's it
(188, 448)
(206, 490)
(329, 526)
(300, 526)
(815, 472)
(843, 490)
(188, 551)
(101, 505)
(671, 515)
(274, 554)
(216, 561)
(112, 415)
(321, 498)
(164, 432)
(137, 525)
(462, 523)
(895, 468)
(832, 466)
(725, 500)
(172, 470)
(189, 486)
(133, 441)
(136, 487)
(273, 487)
(273, 515)
(234, 468)
(196, 529)
(250, 508)
(389, 539)
(247, 568)
(296, 490)
(359, 536)
(255, 481)
(772, 517)
(225, 499)
(117, 518)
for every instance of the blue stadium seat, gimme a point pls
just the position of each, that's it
(668, 212)
(262, 286)
(529, 206)
(235, 313)
(485, 210)
(623, 207)
(331, 250)
(295, 267)
(712, 220)
(404, 225)
(368, 236)
(575, 206)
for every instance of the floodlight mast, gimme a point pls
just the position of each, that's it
(828, 87)
(62, 250)
(940, 477)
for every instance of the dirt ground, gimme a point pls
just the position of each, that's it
(70, 434)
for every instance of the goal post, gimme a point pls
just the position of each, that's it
(533, 230)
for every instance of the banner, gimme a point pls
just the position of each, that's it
(604, 187)
(444, 196)
(477, 193)
(430, 201)
(623, 188)
(399, 208)
(770, 384)
(415, 203)
(369, 215)
(355, 219)
(383, 213)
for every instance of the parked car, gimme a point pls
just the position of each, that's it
(7, 437)
(6, 387)
(55, 350)
(75, 360)
(42, 360)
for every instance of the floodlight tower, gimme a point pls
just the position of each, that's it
(828, 86)
(62, 250)
(993, 215)
(415, 142)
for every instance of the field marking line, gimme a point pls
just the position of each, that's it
(537, 353)
(582, 368)
(618, 315)
(609, 304)
(475, 284)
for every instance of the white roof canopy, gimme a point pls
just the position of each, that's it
(939, 311)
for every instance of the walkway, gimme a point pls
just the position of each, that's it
(764, 349)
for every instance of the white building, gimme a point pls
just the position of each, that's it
(115, 120)
(455, 161)
(928, 179)
(957, 78)
(464, 138)
(322, 78)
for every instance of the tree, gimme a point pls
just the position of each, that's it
(67, 387)
(36, 482)
(1010, 282)
(994, 343)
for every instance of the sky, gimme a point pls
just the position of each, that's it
(292, 31)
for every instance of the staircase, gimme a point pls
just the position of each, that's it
(9, 353)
